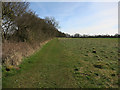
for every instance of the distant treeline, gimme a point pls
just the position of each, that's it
(21, 24)
(92, 36)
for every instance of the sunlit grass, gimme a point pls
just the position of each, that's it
(68, 62)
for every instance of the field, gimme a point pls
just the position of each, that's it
(68, 63)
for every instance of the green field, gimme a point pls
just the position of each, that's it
(68, 63)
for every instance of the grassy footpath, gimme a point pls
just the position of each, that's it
(47, 68)
(69, 63)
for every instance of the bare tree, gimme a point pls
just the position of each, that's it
(10, 11)
(51, 21)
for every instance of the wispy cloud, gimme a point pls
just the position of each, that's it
(103, 19)
(82, 17)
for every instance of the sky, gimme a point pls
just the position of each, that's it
(91, 18)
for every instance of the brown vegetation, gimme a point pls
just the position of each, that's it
(23, 31)
(13, 52)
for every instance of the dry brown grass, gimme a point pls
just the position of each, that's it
(14, 52)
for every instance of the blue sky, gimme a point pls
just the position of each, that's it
(81, 17)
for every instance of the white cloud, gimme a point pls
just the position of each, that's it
(103, 21)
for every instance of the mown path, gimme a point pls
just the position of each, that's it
(69, 63)
(48, 68)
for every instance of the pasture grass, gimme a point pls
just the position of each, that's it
(90, 69)
(68, 63)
